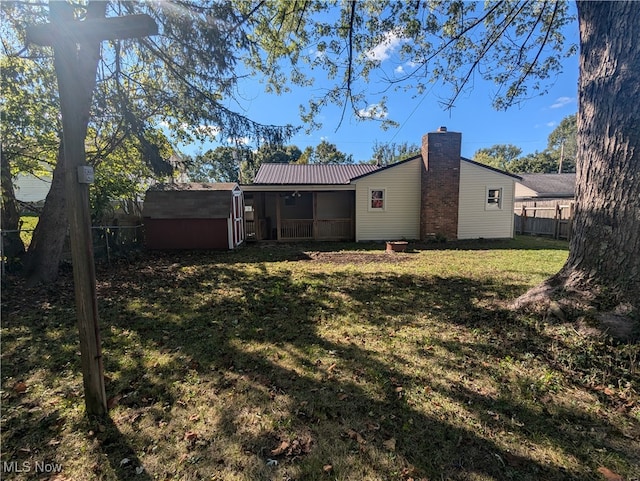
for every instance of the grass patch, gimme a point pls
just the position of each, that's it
(318, 362)
(29, 223)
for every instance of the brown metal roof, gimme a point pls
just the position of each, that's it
(189, 186)
(290, 174)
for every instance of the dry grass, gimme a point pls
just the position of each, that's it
(319, 362)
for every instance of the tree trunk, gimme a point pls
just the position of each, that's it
(603, 268)
(45, 251)
(12, 246)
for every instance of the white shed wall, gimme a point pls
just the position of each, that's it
(475, 220)
(401, 216)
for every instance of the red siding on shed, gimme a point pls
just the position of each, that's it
(186, 233)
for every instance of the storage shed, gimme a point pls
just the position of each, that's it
(194, 216)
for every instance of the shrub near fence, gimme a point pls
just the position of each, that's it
(551, 218)
(108, 241)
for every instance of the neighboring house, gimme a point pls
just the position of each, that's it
(435, 194)
(545, 186)
(194, 216)
(544, 204)
(31, 189)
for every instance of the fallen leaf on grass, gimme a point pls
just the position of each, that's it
(327, 468)
(284, 445)
(609, 475)
(390, 444)
(58, 477)
(190, 436)
(20, 387)
(113, 401)
(355, 435)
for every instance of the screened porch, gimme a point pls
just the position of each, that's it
(298, 215)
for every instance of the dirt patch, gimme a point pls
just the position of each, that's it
(359, 258)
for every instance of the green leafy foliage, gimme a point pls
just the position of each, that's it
(561, 145)
(218, 165)
(390, 153)
(499, 156)
(327, 153)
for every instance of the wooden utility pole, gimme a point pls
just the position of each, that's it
(76, 46)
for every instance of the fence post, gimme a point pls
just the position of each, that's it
(556, 222)
(570, 226)
(106, 241)
(523, 220)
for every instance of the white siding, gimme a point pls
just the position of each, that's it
(401, 216)
(523, 191)
(30, 188)
(474, 219)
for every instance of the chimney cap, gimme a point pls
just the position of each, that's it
(442, 129)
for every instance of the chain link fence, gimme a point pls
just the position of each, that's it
(109, 241)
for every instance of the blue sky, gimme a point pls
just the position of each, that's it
(526, 126)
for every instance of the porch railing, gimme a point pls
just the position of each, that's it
(296, 229)
(320, 229)
(334, 229)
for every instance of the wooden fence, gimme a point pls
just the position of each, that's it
(551, 218)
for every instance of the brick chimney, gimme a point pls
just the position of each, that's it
(440, 184)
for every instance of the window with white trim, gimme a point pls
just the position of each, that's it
(377, 199)
(494, 198)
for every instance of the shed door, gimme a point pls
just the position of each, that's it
(238, 218)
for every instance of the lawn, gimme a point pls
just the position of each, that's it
(319, 362)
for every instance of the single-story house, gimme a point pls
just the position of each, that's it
(544, 204)
(194, 216)
(545, 187)
(434, 194)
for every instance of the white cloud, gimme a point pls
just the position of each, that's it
(239, 140)
(381, 52)
(315, 53)
(211, 130)
(561, 102)
(373, 111)
(399, 69)
(551, 124)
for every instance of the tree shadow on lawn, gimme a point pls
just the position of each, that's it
(43, 420)
(270, 339)
(286, 313)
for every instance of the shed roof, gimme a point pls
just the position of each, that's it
(299, 174)
(550, 185)
(194, 200)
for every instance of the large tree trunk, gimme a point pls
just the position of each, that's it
(45, 251)
(603, 269)
(12, 246)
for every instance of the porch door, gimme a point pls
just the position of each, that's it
(238, 218)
